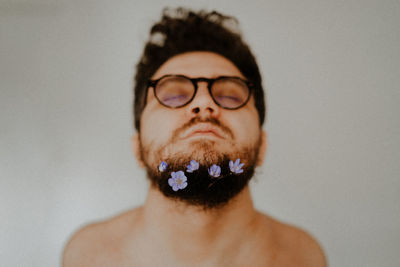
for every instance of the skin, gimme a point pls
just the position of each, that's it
(243, 123)
(163, 232)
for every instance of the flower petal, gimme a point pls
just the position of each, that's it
(180, 174)
(183, 185)
(214, 170)
(163, 166)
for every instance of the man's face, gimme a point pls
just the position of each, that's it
(201, 130)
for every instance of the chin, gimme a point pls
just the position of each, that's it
(202, 144)
(207, 144)
(205, 150)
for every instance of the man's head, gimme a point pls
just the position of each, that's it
(205, 129)
(181, 31)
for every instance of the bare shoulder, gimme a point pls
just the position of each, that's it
(293, 246)
(98, 243)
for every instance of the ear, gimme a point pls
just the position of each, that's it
(263, 148)
(135, 140)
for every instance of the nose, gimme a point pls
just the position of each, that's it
(203, 105)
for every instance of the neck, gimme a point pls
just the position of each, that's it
(199, 230)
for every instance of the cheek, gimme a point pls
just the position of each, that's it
(156, 126)
(249, 131)
(247, 126)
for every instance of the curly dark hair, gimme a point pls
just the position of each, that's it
(181, 30)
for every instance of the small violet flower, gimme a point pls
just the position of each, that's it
(236, 167)
(163, 166)
(194, 165)
(214, 171)
(178, 180)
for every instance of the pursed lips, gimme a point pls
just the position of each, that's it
(203, 129)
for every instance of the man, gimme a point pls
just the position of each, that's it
(199, 109)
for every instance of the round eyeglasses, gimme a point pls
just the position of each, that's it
(176, 91)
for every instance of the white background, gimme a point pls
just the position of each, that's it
(331, 70)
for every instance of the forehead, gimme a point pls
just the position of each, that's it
(198, 64)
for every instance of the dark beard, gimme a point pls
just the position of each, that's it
(203, 190)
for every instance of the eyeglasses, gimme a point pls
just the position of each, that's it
(176, 91)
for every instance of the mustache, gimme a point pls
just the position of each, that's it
(225, 129)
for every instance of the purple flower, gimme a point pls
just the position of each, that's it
(178, 180)
(163, 166)
(194, 165)
(236, 167)
(214, 170)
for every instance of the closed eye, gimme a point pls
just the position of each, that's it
(229, 98)
(175, 100)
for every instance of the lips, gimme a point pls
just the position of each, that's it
(203, 129)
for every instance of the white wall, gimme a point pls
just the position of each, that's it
(331, 69)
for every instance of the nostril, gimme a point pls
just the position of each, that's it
(196, 110)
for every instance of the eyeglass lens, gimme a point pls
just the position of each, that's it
(176, 91)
